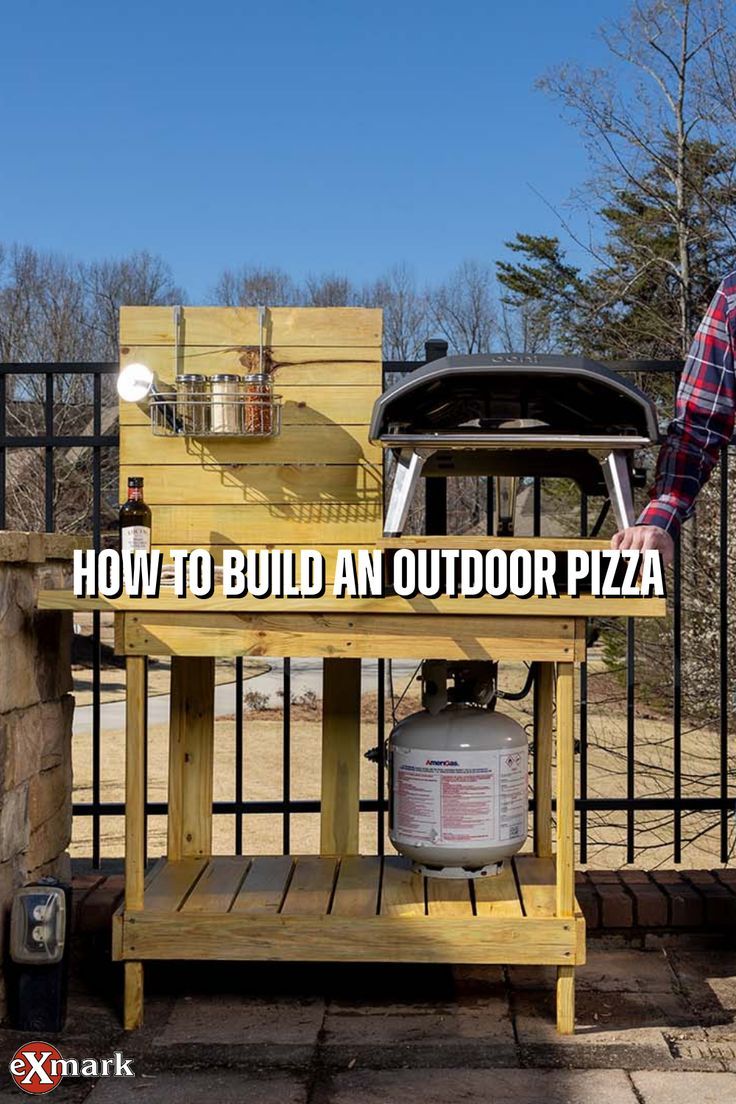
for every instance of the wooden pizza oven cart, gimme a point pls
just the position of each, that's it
(319, 484)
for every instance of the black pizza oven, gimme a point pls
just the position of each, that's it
(506, 416)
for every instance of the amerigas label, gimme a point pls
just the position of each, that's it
(468, 798)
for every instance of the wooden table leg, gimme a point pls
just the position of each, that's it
(135, 719)
(565, 893)
(191, 754)
(543, 723)
(340, 818)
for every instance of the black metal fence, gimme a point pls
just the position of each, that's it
(717, 804)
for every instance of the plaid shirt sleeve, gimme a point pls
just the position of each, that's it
(704, 416)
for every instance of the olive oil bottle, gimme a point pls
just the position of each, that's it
(135, 518)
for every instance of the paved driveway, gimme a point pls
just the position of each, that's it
(306, 674)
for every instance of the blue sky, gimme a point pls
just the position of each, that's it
(315, 135)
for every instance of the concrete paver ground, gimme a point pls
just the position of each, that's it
(230, 1021)
(684, 1088)
(508, 1086)
(652, 1026)
(219, 1087)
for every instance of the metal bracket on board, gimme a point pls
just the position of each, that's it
(178, 340)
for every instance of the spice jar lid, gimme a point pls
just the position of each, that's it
(225, 377)
(190, 377)
(258, 377)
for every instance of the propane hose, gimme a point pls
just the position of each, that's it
(517, 695)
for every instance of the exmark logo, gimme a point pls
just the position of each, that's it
(442, 763)
(39, 1067)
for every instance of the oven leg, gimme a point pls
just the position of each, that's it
(618, 483)
(409, 466)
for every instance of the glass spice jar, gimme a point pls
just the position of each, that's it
(191, 402)
(225, 404)
(258, 404)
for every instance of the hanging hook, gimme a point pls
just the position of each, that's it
(261, 327)
(178, 323)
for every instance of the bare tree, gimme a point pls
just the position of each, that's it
(718, 88)
(253, 286)
(405, 321)
(525, 328)
(463, 308)
(328, 290)
(140, 279)
(42, 307)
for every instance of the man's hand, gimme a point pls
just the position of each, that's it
(642, 537)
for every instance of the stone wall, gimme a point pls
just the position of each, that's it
(36, 709)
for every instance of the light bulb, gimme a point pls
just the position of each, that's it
(135, 382)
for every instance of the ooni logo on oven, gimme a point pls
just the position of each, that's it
(38, 1067)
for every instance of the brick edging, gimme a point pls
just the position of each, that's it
(657, 900)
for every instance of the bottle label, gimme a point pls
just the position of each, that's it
(135, 536)
(459, 798)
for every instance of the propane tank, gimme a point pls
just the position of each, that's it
(459, 790)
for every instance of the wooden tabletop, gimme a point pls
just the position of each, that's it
(167, 602)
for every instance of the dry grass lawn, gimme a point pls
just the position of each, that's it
(263, 768)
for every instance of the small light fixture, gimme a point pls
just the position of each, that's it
(38, 925)
(138, 384)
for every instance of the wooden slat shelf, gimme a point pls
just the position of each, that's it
(322, 908)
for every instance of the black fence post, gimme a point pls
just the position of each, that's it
(435, 501)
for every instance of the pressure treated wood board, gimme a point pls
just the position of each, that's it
(483, 543)
(331, 327)
(315, 444)
(319, 480)
(308, 366)
(362, 908)
(302, 404)
(340, 636)
(328, 551)
(284, 524)
(276, 485)
(528, 609)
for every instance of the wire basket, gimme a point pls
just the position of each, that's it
(242, 416)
